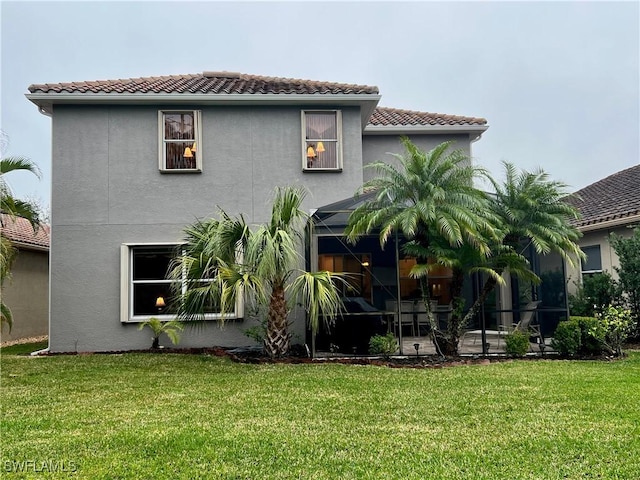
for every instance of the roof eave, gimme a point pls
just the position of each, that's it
(616, 222)
(474, 131)
(366, 101)
(29, 246)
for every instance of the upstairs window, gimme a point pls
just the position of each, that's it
(322, 145)
(180, 133)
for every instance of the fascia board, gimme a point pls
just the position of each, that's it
(423, 129)
(29, 246)
(367, 102)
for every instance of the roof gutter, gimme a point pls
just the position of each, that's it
(474, 131)
(618, 222)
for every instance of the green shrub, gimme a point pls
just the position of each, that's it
(566, 339)
(517, 343)
(592, 334)
(593, 295)
(617, 325)
(383, 344)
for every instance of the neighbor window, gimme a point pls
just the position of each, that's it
(180, 145)
(593, 263)
(146, 289)
(321, 145)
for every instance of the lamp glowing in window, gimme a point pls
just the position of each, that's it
(160, 302)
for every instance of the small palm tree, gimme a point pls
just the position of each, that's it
(13, 207)
(432, 201)
(171, 328)
(224, 259)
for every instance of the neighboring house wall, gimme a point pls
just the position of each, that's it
(26, 293)
(608, 258)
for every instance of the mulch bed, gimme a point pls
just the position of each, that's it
(422, 361)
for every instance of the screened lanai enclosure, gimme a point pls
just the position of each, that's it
(381, 297)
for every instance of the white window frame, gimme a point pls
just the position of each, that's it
(338, 113)
(162, 157)
(127, 283)
(587, 272)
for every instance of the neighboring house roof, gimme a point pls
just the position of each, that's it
(22, 235)
(614, 200)
(232, 87)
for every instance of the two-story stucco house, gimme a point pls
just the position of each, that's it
(136, 160)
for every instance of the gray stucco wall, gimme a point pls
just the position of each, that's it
(26, 293)
(376, 148)
(107, 190)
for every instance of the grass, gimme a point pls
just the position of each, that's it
(194, 416)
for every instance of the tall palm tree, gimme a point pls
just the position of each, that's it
(223, 259)
(531, 206)
(430, 198)
(13, 207)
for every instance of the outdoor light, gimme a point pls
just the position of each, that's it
(365, 264)
(417, 347)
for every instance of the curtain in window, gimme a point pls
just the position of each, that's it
(322, 140)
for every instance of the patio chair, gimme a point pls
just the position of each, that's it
(524, 325)
(422, 320)
(407, 312)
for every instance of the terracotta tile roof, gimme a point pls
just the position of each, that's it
(206, 83)
(395, 117)
(21, 233)
(614, 197)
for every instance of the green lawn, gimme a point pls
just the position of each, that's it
(154, 416)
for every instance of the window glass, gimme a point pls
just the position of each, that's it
(593, 263)
(179, 141)
(321, 146)
(150, 266)
(150, 292)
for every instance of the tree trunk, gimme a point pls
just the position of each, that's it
(489, 285)
(456, 324)
(276, 343)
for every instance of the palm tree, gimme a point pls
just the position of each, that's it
(13, 207)
(8, 203)
(223, 259)
(529, 206)
(432, 201)
(171, 328)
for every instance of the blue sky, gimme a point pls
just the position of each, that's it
(558, 82)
